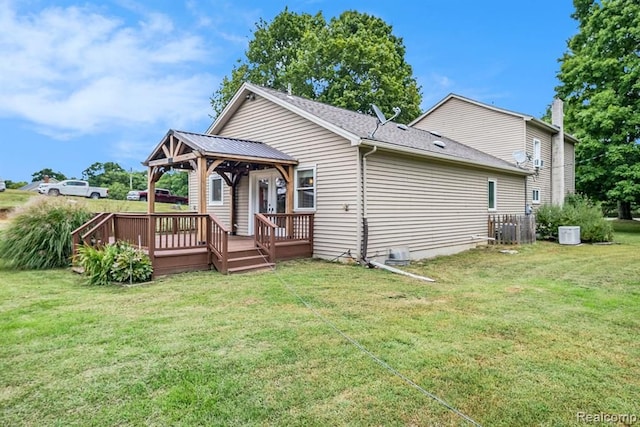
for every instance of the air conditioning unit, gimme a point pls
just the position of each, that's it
(538, 163)
(569, 235)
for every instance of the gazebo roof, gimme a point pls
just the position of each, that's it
(179, 148)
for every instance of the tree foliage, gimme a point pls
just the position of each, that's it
(351, 61)
(600, 83)
(115, 178)
(176, 182)
(47, 172)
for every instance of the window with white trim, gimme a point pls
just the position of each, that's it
(492, 193)
(305, 188)
(535, 196)
(216, 190)
(536, 150)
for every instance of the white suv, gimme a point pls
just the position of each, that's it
(3, 186)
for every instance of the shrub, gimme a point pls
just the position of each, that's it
(577, 210)
(119, 262)
(39, 233)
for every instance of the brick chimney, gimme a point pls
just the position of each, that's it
(557, 153)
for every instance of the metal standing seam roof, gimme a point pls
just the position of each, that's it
(230, 146)
(362, 125)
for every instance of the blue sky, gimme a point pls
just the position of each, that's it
(84, 82)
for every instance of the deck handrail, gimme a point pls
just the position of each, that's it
(293, 226)
(75, 234)
(265, 236)
(218, 243)
(102, 226)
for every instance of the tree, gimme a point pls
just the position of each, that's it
(350, 62)
(14, 185)
(600, 83)
(175, 181)
(47, 172)
(114, 177)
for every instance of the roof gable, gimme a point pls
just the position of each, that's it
(179, 146)
(526, 117)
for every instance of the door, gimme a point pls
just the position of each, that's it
(269, 194)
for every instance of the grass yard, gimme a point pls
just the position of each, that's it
(530, 338)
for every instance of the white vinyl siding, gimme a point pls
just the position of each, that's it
(542, 179)
(193, 190)
(494, 132)
(242, 205)
(336, 230)
(429, 207)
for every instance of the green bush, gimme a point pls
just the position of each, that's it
(39, 233)
(577, 210)
(119, 262)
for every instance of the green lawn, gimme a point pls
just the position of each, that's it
(509, 339)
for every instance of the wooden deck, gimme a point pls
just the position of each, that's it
(190, 242)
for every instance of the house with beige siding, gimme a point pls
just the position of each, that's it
(548, 153)
(368, 187)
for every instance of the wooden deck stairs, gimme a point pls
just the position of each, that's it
(244, 260)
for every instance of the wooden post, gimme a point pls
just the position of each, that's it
(151, 190)
(202, 194)
(202, 185)
(289, 201)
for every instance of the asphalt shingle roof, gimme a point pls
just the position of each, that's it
(362, 126)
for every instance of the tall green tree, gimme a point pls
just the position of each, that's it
(600, 83)
(351, 61)
(47, 172)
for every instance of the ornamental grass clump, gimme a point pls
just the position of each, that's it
(39, 233)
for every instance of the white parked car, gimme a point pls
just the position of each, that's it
(3, 186)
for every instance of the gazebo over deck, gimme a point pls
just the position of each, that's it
(198, 240)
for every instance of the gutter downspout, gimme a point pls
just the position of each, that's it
(365, 223)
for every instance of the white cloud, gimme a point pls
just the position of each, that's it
(74, 71)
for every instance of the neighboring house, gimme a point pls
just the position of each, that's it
(270, 151)
(548, 152)
(33, 186)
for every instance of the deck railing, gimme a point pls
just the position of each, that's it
(218, 236)
(512, 229)
(265, 236)
(132, 228)
(293, 226)
(98, 232)
(180, 230)
(161, 233)
(77, 234)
